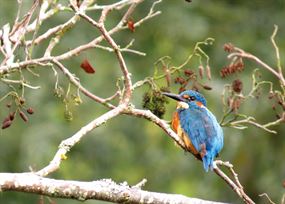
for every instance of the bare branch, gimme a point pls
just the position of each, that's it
(123, 66)
(82, 88)
(241, 53)
(268, 198)
(44, 14)
(118, 5)
(277, 52)
(104, 189)
(235, 185)
(7, 45)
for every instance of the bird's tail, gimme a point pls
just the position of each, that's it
(208, 162)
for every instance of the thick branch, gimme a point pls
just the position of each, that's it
(104, 189)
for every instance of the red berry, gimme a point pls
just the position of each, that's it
(23, 116)
(30, 111)
(6, 124)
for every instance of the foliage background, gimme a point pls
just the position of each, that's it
(129, 149)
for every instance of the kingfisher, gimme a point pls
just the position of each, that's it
(197, 127)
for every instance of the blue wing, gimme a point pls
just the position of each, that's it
(204, 131)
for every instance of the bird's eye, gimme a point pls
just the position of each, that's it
(189, 98)
(186, 96)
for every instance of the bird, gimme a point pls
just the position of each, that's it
(197, 127)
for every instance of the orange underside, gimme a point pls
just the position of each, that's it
(188, 144)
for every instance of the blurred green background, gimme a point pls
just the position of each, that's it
(130, 149)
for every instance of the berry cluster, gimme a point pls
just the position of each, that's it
(237, 85)
(234, 103)
(278, 104)
(228, 47)
(20, 109)
(190, 77)
(238, 66)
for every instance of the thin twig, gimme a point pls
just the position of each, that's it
(265, 195)
(123, 66)
(277, 52)
(243, 54)
(82, 88)
(236, 186)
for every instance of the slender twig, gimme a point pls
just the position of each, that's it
(123, 66)
(18, 32)
(10, 81)
(82, 88)
(236, 186)
(45, 14)
(277, 52)
(250, 120)
(65, 27)
(266, 196)
(118, 5)
(240, 53)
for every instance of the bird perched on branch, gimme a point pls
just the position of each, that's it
(197, 127)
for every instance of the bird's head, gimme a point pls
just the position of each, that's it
(188, 99)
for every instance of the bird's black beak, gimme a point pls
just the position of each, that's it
(173, 96)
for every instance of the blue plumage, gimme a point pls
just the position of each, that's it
(198, 125)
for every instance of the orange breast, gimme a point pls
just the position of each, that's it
(183, 136)
(175, 122)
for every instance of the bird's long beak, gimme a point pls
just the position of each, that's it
(173, 96)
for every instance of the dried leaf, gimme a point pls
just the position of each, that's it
(23, 116)
(237, 85)
(6, 119)
(8, 105)
(228, 47)
(87, 67)
(207, 87)
(12, 115)
(208, 72)
(131, 25)
(188, 72)
(201, 71)
(22, 101)
(6, 124)
(30, 111)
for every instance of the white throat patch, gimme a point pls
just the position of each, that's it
(183, 105)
